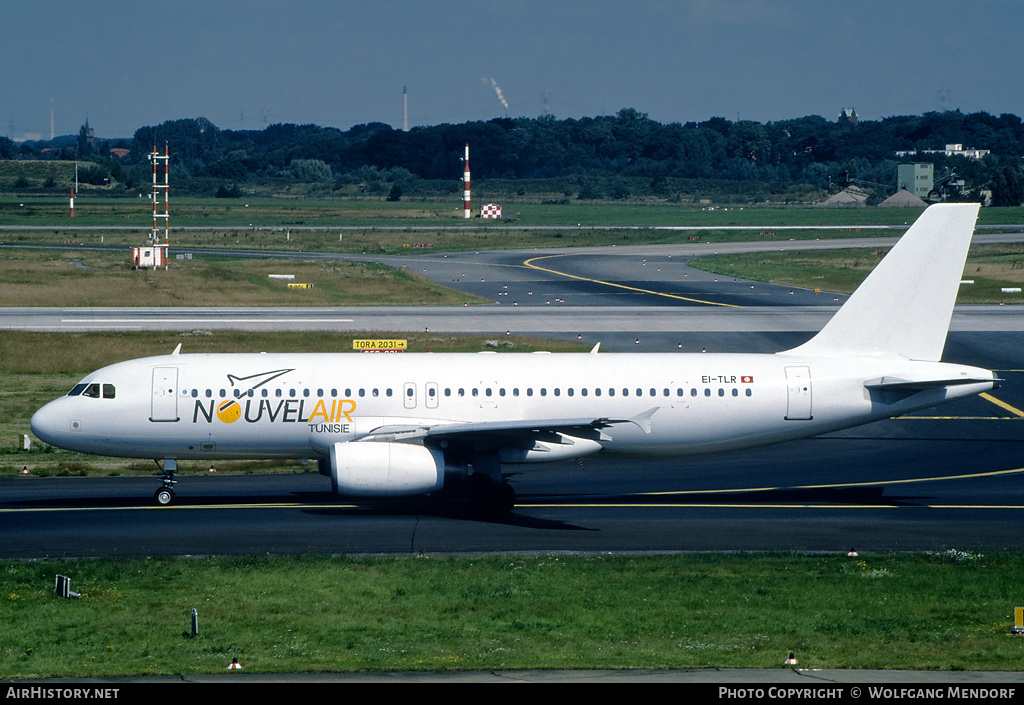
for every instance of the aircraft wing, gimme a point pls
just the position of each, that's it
(476, 431)
(529, 426)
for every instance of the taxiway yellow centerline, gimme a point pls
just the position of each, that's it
(529, 263)
(873, 483)
(1002, 404)
(1017, 413)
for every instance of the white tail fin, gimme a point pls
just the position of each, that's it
(904, 306)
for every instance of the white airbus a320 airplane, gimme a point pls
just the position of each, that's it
(412, 424)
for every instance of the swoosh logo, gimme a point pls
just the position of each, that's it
(260, 378)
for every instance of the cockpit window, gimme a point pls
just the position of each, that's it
(93, 390)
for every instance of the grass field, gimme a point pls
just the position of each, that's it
(950, 610)
(83, 278)
(990, 267)
(52, 211)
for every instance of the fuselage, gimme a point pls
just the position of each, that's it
(299, 405)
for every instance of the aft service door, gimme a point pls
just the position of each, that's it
(165, 394)
(798, 384)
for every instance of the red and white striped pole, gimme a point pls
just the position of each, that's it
(466, 212)
(155, 232)
(73, 203)
(167, 194)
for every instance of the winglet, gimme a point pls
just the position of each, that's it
(644, 420)
(594, 351)
(904, 306)
(177, 349)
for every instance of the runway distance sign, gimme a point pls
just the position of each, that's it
(379, 345)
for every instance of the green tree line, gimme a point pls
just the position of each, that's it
(613, 156)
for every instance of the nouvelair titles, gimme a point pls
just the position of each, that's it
(326, 415)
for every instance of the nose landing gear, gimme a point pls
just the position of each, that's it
(165, 495)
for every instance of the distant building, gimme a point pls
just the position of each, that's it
(146, 257)
(848, 115)
(951, 150)
(89, 134)
(917, 178)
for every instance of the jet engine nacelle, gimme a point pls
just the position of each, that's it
(385, 469)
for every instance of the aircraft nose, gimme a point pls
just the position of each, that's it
(49, 422)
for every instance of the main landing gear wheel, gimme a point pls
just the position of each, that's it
(164, 496)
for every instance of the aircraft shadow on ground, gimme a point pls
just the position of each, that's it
(327, 504)
(825, 496)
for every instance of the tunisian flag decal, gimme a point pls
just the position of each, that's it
(746, 379)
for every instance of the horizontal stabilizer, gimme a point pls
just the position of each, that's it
(920, 385)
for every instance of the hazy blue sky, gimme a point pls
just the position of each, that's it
(243, 63)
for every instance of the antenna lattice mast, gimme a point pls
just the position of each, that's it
(161, 187)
